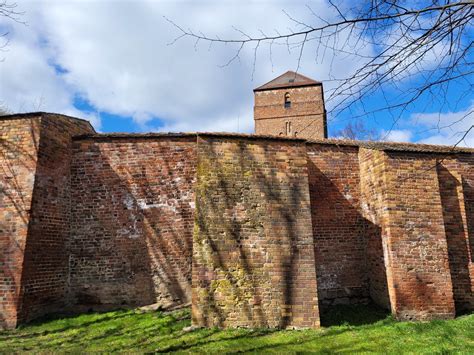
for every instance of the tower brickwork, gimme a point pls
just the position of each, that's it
(291, 105)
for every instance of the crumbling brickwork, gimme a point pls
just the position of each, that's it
(132, 221)
(253, 258)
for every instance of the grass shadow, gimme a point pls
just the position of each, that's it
(352, 315)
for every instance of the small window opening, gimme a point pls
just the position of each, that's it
(288, 128)
(287, 100)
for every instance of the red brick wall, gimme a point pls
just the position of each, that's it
(253, 258)
(45, 269)
(105, 221)
(467, 161)
(455, 181)
(132, 217)
(421, 285)
(19, 140)
(339, 229)
(373, 191)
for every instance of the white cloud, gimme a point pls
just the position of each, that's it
(446, 128)
(450, 128)
(116, 55)
(397, 135)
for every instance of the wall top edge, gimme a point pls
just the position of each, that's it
(41, 114)
(375, 145)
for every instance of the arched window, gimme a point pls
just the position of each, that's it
(287, 100)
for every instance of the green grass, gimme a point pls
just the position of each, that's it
(348, 329)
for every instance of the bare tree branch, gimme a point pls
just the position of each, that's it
(427, 42)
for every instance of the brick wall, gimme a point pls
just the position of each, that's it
(455, 182)
(421, 285)
(132, 217)
(45, 269)
(467, 161)
(18, 156)
(372, 186)
(253, 257)
(306, 114)
(103, 221)
(338, 227)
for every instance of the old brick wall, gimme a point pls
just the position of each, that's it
(306, 114)
(132, 221)
(253, 256)
(372, 193)
(420, 285)
(19, 140)
(455, 175)
(45, 269)
(467, 161)
(102, 221)
(339, 228)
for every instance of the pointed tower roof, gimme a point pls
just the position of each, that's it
(288, 80)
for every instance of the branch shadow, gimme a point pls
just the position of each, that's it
(246, 233)
(132, 224)
(457, 238)
(348, 247)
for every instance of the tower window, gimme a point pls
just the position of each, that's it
(288, 128)
(287, 100)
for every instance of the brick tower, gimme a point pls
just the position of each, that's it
(290, 105)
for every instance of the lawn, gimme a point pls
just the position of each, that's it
(348, 329)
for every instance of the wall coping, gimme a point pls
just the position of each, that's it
(393, 146)
(385, 146)
(17, 116)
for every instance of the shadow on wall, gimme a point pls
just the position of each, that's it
(468, 188)
(348, 247)
(248, 199)
(131, 236)
(457, 237)
(19, 142)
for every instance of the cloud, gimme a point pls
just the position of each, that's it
(30, 83)
(449, 128)
(116, 56)
(397, 135)
(446, 128)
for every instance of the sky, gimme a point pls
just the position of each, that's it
(116, 64)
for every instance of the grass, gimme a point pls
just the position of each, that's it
(347, 329)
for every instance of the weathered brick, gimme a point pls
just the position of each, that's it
(256, 231)
(132, 217)
(253, 258)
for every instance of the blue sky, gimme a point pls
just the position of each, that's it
(111, 62)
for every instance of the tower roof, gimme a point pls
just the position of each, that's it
(290, 79)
